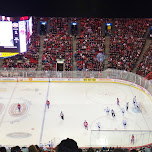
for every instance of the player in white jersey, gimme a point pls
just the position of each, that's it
(50, 144)
(62, 115)
(99, 126)
(136, 105)
(41, 145)
(123, 111)
(124, 123)
(134, 100)
(127, 106)
(113, 113)
(107, 110)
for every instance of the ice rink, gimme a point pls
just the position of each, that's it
(35, 123)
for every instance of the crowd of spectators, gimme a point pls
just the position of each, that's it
(89, 44)
(145, 65)
(127, 44)
(57, 45)
(29, 59)
(68, 148)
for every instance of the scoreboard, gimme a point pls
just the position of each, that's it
(14, 35)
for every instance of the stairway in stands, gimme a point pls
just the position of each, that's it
(74, 50)
(1, 63)
(41, 52)
(107, 45)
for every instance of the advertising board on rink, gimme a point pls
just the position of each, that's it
(104, 79)
(8, 79)
(77, 80)
(89, 79)
(33, 79)
(66, 79)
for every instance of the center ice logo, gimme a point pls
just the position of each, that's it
(13, 111)
(19, 135)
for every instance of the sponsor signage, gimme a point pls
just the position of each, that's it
(7, 54)
(22, 36)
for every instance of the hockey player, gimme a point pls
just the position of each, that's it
(127, 105)
(19, 107)
(123, 111)
(99, 126)
(134, 100)
(107, 110)
(118, 102)
(124, 123)
(48, 103)
(50, 144)
(62, 115)
(41, 145)
(113, 113)
(86, 124)
(136, 105)
(132, 139)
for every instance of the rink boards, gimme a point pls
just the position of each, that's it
(88, 89)
(79, 80)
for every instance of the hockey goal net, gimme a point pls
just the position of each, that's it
(120, 138)
(140, 107)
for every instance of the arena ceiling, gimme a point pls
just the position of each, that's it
(76, 8)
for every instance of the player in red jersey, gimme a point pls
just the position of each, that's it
(48, 103)
(19, 107)
(86, 124)
(132, 139)
(117, 101)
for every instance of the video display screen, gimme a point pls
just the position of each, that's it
(6, 34)
(15, 34)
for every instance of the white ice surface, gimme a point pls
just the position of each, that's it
(78, 102)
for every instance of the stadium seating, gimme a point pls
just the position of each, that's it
(127, 44)
(89, 44)
(145, 65)
(57, 44)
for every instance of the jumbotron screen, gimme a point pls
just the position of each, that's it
(15, 34)
(6, 36)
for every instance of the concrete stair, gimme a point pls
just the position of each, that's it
(1, 63)
(74, 50)
(107, 47)
(41, 52)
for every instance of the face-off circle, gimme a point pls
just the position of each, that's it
(101, 93)
(14, 111)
